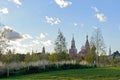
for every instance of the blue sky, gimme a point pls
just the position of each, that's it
(38, 21)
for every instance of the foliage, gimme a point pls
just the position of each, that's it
(35, 57)
(63, 56)
(102, 60)
(20, 57)
(91, 55)
(53, 57)
(7, 58)
(79, 59)
(113, 61)
(27, 58)
(44, 56)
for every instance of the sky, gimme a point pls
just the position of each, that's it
(32, 24)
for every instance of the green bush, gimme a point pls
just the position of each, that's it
(40, 69)
(51, 67)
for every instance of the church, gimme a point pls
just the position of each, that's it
(73, 50)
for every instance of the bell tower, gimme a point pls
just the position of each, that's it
(73, 50)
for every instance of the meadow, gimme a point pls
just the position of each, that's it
(105, 73)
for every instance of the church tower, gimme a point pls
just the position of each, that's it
(109, 51)
(73, 43)
(87, 46)
(73, 50)
(43, 50)
(84, 48)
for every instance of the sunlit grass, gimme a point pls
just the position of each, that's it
(106, 73)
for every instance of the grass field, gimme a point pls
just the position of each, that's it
(111, 73)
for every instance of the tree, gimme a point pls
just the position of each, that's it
(35, 57)
(91, 55)
(97, 40)
(53, 57)
(27, 59)
(20, 57)
(8, 58)
(88, 56)
(44, 56)
(63, 56)
(60, 43)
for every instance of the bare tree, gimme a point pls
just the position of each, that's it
(98, 41)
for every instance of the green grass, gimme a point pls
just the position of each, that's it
(108, 73)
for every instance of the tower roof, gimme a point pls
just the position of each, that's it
(73, 38)
(43, 49)
(87, 37)
(110, 50)
(87, 43)
(73, 43)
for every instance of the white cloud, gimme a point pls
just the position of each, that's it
(52, 20)
(42, 36)
(47, 43)
(13, 35)
(27, 36)
(16, 43)
(4, 11)
(36, 42)
(95, 9)
(78, 24)
(101, 17)
(18, 2)
(20, 42)
(75, 24)
(19, 46)
(63, 3)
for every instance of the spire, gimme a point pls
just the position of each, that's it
(87, 43)
(86, 37)
(73, 43)
(73, 38)
(43, 50)
(110, 50)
